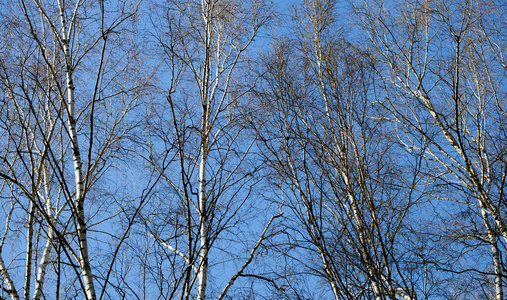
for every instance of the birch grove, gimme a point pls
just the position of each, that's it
(226, 149)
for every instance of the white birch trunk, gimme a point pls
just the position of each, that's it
(29, 252)
(203, 251)
(203, 220)
(363, 241)
(495, 255)
(11, 288)
(498, 271)
(8, 281)
(79, 198)
(41, 271)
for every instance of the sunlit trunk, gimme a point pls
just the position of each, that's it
(76, 156)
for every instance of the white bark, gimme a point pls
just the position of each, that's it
(29, 251)
(79, 179)
(11, 288)
(203, 224)
(497, 265)
(44, 261)
(206, 6)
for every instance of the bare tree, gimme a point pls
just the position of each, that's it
(443, 75)
(335, 158)
(64, 111)
(384, 146)
(202, 143)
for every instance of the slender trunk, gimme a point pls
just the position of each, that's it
(58, 270)
(206, 6)
(203, 214)
(495, 255)
(187, 286)
(498, 271)
(29, 251)
(41, 271)
(363, 241)
(329, 271)
(11, 289)
(203, 251)
(79, 198)
(44, 261)
(203, 219)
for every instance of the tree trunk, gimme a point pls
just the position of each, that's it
(76, 156)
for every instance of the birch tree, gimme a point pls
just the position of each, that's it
(202, 144)
(336, 162)
(64, 109)
(443, 76)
